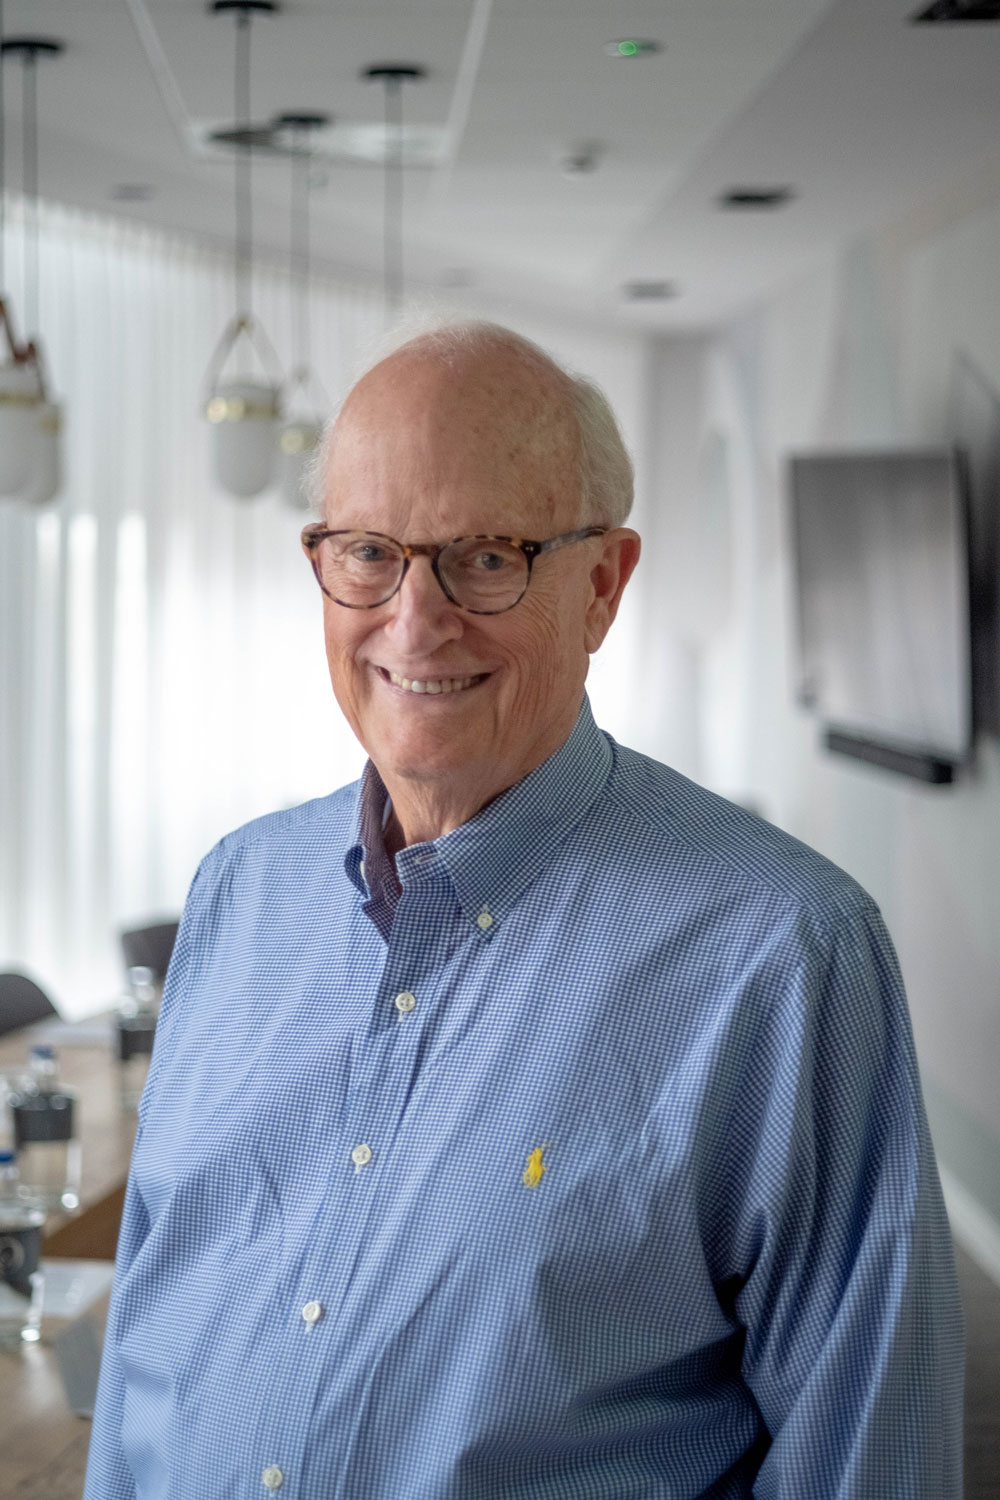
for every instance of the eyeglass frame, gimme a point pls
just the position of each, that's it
(316, 532)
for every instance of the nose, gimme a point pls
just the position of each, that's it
(423, 617)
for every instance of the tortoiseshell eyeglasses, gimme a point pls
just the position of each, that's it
(485, 575)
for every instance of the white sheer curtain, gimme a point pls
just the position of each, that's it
(163, 676)
(162, 669)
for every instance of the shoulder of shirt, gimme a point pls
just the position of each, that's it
(670, 806)
(331, 817)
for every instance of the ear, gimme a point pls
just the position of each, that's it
(614, 567)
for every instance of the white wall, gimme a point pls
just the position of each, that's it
(862, 351)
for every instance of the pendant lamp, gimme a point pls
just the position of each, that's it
(15, 379)
(18, 400)
(306, 402)
(243, 407)
(46, 477)
(30, 421)
(392, 76)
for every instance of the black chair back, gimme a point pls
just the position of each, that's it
(22, 1002)
(149, 947)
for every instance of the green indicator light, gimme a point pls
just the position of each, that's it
(632, 46)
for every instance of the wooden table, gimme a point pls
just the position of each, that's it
(44, 1446)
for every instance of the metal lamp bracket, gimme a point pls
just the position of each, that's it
(242, 325)
(303, 381)
(18, 352)
(29, 49)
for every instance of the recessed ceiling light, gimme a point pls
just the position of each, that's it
(649, 291)
(631, 46)
(132, 192)
(960, 10)
(756, 197)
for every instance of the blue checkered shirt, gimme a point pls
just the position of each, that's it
(600, 1172)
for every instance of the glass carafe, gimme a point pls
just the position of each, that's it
(135, 1028)
(48, 1151)
(21, 1278)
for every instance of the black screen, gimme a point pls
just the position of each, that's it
(882, 582)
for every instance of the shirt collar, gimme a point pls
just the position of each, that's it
(498, 853)
(367, 864)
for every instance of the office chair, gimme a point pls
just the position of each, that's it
(149, 947)
(22, 1002)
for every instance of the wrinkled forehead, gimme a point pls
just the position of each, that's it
(490, 426)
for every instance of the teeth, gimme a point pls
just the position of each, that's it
(432, 685)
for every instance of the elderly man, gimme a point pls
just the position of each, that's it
(525, 1121)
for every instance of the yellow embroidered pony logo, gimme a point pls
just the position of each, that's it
(536, 1168)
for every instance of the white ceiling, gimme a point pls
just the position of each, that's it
(863, 114)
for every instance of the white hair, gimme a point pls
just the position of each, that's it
(605, 469)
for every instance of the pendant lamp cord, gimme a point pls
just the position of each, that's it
(3, 173)
(29, 100)
(392, 219)
(243, 259)
(300, 247)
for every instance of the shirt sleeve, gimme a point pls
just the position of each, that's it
(854, 1341)
(109, 1476)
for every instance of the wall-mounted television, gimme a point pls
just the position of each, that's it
(882, 583)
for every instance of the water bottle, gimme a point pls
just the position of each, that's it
(48, 1151)
(22, 1283)
(135, 1027)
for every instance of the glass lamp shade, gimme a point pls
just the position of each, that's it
(244, 415)
(20, 405)
(297, 442)
(45, 480)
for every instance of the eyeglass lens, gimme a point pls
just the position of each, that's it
(362, 569)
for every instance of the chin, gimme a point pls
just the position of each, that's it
(422, 763)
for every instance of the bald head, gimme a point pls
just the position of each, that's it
(465, 414)
(508, 395)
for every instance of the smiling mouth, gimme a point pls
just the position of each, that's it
(432, 685)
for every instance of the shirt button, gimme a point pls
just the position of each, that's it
(361, 1156)
(272, 1478)
(484, 920)
(312, 1312)
(405, 1002)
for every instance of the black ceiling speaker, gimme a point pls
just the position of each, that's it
(948, 11)
(756, 197)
